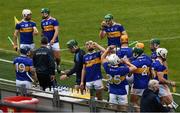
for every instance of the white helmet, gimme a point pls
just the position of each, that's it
(113, 59)
(162, 52)
(26, 12)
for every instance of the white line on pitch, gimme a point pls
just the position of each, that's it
(8, 61)
(167, 38)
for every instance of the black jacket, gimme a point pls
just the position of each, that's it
(150, 102)
(78, 64)
(43, 61)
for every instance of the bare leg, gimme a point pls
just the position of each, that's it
(99, 94)
(57, 57)
(135, 101)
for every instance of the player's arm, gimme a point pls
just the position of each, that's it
(42, 30)
(75, 68)
(162, 80)
(123, 31)
(106, 52)
(33, 71)
(56, 29)
(83, 73)
(102, 32)
(35, 31)
(16, 32)
(131, 66)
(102, 49)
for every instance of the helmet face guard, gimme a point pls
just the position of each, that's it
(137, 52)
(154, 44)
(108, 19)
(72, 43)
(162, 52)
(45, 12)
(26, 13)
(113, 59)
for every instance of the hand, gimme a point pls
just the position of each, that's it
(125, 60)
(172, 83)
(94, 44)
(15, 47)
(63, 77)
(52, 42)
(111, 47)
(82, 85)
(52, 77)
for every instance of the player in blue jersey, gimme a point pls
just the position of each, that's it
(160, 72)
(24, 69)
(91, 71)
(50, 29)
(112, 30)
(154, 44)
(125, 52)
(141, 74)
(117, 78)
(26, 28)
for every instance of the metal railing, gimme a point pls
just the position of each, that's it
(53, 102)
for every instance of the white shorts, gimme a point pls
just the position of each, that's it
(138, 92)
(31, 46)
(118, 99)
(127, 89)
(164, 90)
(130, 79)
(27, 84)
(98, 84)
(55, 46)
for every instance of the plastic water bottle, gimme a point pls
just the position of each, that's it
(174, 89)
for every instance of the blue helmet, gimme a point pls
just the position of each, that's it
(24, 50)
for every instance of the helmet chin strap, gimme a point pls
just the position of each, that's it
(45, 17)
(136, 55)
(164, 59)
(27, 19)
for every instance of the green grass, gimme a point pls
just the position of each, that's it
(80, 20)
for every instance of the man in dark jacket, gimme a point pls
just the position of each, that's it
(44, 64)
(150, 101)
(78, 63)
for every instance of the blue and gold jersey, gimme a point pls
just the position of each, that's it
(158, 67)
(117, 78)
(26, 31)
(153, 55)
(124, 52)
(114, 34)
(22, 68)
(92, 62)
(141, 74)
(47, 26)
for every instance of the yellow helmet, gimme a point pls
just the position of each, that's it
(124, 39)
(139, 45)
